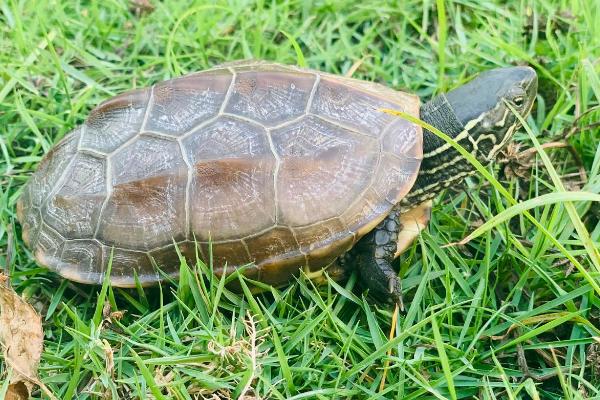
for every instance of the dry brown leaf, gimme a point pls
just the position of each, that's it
(21, 339)
(141, 6)
(535, 320)
(109, 358)
(109, 317)
(117, 315)
(106, 309)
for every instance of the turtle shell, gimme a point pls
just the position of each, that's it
(249, 163)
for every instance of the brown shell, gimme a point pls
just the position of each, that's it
(274, 165)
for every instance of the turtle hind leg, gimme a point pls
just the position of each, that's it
(373, 256)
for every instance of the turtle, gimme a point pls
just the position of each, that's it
(263, 168)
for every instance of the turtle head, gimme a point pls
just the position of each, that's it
(481, 107)
(477, 116)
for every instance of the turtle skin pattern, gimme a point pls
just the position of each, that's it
(254, 162)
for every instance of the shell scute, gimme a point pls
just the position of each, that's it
(74, 209)
(352, 107)
(226, 256)
(180, 104)
(48, 245)
(402, 139)
(324, 241)
(126, 265)
(146, 208)
(270, 244)
(167, 259)
(82, 260)
(364, 214)
(30, 222)
(270, 97)
(146, 157)
(394, 177)
(232, 187)
(320, 161)
(115, 121)
(50, 169)
(267, 249)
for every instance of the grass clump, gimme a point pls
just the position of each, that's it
(514, 313)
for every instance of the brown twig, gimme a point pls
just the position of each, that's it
(531, 151)
(574, 128)
(521, 359)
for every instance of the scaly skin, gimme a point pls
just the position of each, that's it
(477, 117)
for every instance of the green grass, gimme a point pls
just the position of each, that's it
(512, 314)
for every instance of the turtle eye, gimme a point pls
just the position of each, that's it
(518, 101)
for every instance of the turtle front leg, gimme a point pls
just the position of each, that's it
(374, 253)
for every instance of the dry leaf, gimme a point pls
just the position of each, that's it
(106, 309)
(141, 6)
(21, 338)
(109, 358)
(117, 315)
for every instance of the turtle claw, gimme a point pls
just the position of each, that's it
(395, 289)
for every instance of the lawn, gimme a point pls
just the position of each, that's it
(512, 314)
